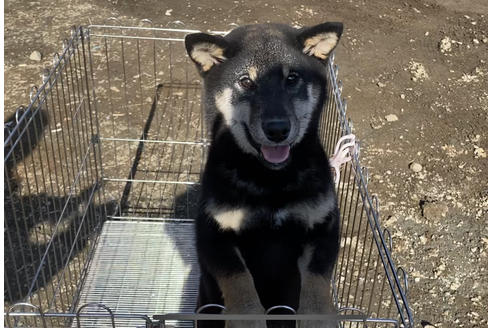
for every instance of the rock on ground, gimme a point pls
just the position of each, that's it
(418, 71)
(445, 45)
(416, 167)
(35, 55)
(391, 118)
(434, 210)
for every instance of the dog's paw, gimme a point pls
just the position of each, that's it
(318, 307)
(342, 154)
(251, 308)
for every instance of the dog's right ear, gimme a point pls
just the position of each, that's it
(206, 50)
(320, 40)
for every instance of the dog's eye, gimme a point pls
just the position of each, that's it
(292, 78)
(246, 83)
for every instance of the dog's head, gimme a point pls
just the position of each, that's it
(267, 81)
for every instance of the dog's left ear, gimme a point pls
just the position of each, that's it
(206, 50)
(320, 40)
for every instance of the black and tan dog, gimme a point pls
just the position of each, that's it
(268, 229)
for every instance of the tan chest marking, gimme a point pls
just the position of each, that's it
(227, 218)
(310, 212)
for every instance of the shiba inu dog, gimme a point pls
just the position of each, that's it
(267, 232)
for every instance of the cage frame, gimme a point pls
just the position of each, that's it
(81, 36)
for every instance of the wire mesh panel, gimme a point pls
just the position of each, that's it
(102, 176)
(152, 133)
(53, 201)
(365, 279)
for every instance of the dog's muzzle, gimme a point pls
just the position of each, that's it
(276, 130)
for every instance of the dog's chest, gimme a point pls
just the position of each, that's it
(238, 218)
(307, 213)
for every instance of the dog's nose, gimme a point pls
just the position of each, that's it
(276, 130)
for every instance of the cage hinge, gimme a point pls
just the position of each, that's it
(95, 139)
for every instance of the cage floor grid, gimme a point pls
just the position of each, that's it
(143, 268)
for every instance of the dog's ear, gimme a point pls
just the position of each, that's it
(206, 50)
(320, 40)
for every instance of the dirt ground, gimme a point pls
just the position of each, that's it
(415, 78)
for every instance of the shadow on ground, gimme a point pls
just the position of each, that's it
(43, 233)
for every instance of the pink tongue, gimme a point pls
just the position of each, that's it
(275, 154)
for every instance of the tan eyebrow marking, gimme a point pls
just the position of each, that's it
(253, 73)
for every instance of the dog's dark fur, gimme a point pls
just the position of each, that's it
(268, 231)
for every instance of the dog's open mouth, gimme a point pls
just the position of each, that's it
(275, 154)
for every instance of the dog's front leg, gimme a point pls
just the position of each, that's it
(240, 297)
(315, 298)
(221, 259)
(316, 268)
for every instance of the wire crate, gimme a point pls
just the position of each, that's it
(102, 171)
